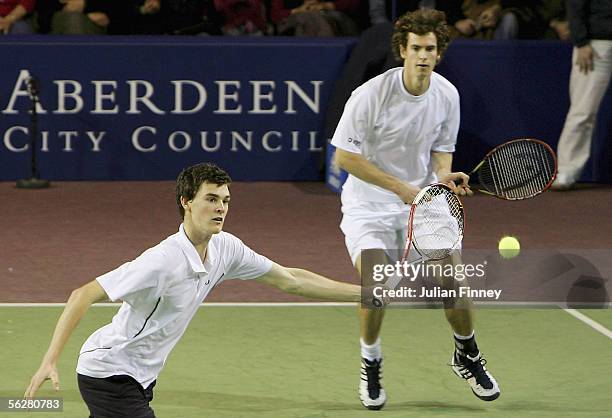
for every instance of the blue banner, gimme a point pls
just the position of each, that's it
(143, 108)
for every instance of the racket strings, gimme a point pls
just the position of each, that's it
(518, 169)
(437, 223)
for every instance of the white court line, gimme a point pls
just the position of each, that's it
(581, 317)
(418, 305)
(211, 304)
(593, 324)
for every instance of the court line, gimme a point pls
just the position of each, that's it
(211, 304)
(581, 317)
(590, 322)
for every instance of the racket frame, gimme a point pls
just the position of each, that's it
(413, 206)
(548, 185)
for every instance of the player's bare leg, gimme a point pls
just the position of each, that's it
(371, 392)
(370, 322)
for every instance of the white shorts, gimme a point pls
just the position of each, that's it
(369, 225)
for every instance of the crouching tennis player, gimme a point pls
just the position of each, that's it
(161, 291)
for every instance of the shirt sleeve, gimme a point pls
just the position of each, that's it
(447, 137)
(356, 123)
(147, 272)
(245, 264)
(577, 15)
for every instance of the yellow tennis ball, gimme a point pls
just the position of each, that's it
(509, 247)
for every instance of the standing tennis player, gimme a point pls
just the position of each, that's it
(396, 135)
(161, 291)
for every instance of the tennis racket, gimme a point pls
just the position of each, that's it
(516, 170)
(435, 226)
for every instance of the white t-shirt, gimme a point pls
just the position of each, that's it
(397, 131)
(161, 291)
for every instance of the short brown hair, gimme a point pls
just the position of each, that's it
(420, 22)
(189, 181)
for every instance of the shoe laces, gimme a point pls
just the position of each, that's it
(474, 368)
(372, 370)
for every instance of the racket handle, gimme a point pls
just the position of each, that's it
(460, 182)
(393, 281)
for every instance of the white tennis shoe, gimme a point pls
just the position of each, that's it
(473, 369)
(371, 392)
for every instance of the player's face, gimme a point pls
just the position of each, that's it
(208, 208)
(420, 54)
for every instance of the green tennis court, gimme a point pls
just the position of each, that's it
(253, 361)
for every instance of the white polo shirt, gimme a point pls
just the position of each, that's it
(161, 291)
(397, 131)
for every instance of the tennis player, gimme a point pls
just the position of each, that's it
(161, 291)
(396, 135)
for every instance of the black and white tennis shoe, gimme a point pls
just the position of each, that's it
(371, 392)
(474, 371)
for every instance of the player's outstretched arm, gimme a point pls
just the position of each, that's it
(311, 285)
(79, 302)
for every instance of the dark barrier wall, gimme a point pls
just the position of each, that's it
(142, 108)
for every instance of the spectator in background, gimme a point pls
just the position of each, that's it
(242, 17)
(316, 18)
(13, 14)
(554, 15)
(381, 11)
(513, 19)
(591, 33)
(75, 17)
(536, 19)
(172, 17)
(200, 17)
(486, 19)
(146, 17)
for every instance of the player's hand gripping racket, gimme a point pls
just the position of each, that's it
(435, 226)
(515, 170)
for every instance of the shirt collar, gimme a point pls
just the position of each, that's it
(192, 255)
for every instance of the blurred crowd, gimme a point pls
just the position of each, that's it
(478, 19)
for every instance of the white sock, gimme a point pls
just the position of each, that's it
(371, 352)
(464, 337)
(466, 345)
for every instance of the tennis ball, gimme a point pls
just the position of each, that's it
(509, 247)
